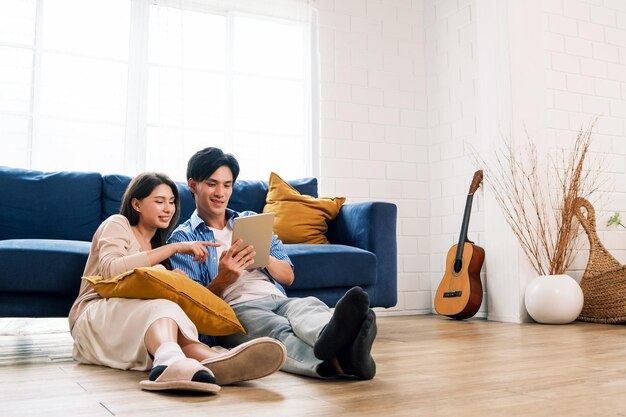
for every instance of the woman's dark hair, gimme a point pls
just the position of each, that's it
(205, 162)
(141, 187)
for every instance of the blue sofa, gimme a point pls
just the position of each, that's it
(47, 221)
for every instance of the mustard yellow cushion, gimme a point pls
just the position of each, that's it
(211, 315)
(299, 218)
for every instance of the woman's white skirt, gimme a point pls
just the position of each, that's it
(111, 331)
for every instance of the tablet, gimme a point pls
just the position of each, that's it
(255, 230)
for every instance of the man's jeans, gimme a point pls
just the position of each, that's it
(296, 322)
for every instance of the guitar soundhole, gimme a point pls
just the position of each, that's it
(451, 294)
(457, 266)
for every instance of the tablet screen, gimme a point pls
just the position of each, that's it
(255, 230)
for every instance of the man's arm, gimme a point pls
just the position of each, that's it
(281, 271)
(280, 266)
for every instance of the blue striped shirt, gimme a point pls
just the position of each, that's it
(203, 273)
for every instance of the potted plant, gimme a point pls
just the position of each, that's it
(537, 201)
(615, 220)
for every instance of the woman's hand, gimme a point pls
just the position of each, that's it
(195, 248)
(180, 271)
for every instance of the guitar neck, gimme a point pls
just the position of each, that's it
(463, 236)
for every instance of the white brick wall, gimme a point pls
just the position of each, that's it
(400, 104)
(450, 68)
(592, 65)
(374, 123)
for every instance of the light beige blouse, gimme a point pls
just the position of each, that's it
(114, 250)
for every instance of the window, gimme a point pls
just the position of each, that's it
(125, 86)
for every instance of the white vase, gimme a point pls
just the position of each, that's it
(553, 299)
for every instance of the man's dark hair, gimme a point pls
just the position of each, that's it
(205, 162)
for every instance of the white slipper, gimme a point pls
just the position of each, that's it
(251, 360)
(178, 377)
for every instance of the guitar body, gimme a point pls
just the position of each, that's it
(460, 294)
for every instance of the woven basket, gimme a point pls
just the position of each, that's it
(604, 280)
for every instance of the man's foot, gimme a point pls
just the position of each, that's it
(356, 359)
(251, 360)
(344, 325)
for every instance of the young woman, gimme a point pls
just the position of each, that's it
(156, 334)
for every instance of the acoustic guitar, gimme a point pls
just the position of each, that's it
(460, 292)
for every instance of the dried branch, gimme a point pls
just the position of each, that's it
(538, 204)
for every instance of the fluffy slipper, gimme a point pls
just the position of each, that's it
(344, 325)
(356, 359)
(251, 360)
(183, 375)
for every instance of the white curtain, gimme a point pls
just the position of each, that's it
(232, 74)
(149, 82)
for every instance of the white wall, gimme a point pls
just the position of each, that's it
(408, 86)
(565, 61)
(452, 123)
(374, 130)
(585, 67)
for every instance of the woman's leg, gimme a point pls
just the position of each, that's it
(161, 340)
(195, 349)
(165, 330)
(161, 331)
(251, 360)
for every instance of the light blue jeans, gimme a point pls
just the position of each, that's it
(296, 322)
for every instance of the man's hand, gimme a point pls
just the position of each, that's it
(232, 264)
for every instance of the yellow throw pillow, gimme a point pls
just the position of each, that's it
(211, 315)
(299, 218)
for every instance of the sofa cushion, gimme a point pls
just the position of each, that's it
(113, 187)
(247, 195)
(251, 194)
(320, 266)
(299, 218)
(42, 266)
(34, 304)
(211, 315)
(49, 205)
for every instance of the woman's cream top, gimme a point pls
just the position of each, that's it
(114, 250)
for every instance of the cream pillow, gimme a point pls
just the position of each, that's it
(211, 315)
(299, 218)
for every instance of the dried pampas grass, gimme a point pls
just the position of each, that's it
(538, 202)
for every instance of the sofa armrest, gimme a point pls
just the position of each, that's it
(371, 226)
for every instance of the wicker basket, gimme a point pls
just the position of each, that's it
(604, 280)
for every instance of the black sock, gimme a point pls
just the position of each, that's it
(356, 359)
(344, 325)
(326, 370)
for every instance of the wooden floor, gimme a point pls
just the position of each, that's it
(427, 366)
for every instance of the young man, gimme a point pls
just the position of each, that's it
(319, 343)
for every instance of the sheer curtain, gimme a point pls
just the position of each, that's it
(232, 74)
(63, 95)
(149, 82)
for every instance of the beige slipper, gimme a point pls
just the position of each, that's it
(179, 377)
(251, 360)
